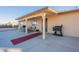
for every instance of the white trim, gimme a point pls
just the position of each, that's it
(26, 26)
(43, 17)
(53, 10)
(19, 25)
(46, 8)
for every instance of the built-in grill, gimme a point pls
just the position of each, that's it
(58, 30)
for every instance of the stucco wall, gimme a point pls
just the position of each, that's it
(29, 23)
(70, 23)
(38, 23)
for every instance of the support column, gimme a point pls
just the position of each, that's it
(19, 25)
(26, 26)
(43, 17)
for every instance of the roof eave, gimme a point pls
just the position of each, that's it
(37, 11)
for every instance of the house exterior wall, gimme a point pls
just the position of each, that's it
(29, 23)
(38, 23)
(21, 24)
(70, 23)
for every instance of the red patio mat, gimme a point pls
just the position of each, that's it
(24, 38)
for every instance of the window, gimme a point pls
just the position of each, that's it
(34, 24)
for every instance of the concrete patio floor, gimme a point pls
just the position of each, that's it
(37, 44)
(51, 44)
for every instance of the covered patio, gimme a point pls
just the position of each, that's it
(51, 44)
(40, 16)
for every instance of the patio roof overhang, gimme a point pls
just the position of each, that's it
(44, 12)
(38, 13)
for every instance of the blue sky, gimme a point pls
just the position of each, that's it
(10, 13)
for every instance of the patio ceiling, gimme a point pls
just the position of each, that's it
(38, 13)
